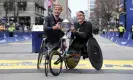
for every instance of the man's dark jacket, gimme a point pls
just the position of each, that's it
(52, 35)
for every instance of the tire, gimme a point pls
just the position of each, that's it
(46, 65)
(73, 61)
(94, 53)
(53, 53)
(40, 56)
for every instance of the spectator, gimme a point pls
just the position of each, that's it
(132, 31)
(11, 30)
(121, 30)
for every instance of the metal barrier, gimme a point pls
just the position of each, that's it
(114, 36)
(18, 36)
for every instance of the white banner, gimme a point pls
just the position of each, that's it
(37, 28)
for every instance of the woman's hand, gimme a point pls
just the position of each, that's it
(72, 29)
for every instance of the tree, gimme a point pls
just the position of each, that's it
(104, 10)
(15, 7)
(8, 6)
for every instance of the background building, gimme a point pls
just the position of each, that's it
(46, 7)
(91, 5)
(27, 12)
(86, 15)
(69, 14)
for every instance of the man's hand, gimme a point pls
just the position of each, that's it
(56, 27)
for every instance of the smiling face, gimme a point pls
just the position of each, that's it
(57, 10)
(80, 17)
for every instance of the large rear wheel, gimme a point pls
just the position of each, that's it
(95, 53)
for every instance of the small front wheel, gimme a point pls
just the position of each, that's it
(46, 65)
(55, 60)
(40, 56)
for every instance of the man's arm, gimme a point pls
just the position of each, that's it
(45, 24)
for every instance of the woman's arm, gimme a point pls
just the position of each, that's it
(87, 31)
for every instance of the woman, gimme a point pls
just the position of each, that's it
(82, 29)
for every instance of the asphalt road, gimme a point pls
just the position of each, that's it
(113, 54)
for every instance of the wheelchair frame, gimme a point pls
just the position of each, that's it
(64, 57)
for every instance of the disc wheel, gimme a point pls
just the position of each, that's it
(95, 53)
(74, 58)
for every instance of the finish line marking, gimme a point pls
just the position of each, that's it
(17, 43)
(83, 64)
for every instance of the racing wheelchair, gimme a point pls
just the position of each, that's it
(70, 54)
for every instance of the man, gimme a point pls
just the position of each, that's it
(52, 26)
(11, 30)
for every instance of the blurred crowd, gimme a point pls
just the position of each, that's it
(14, 27)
